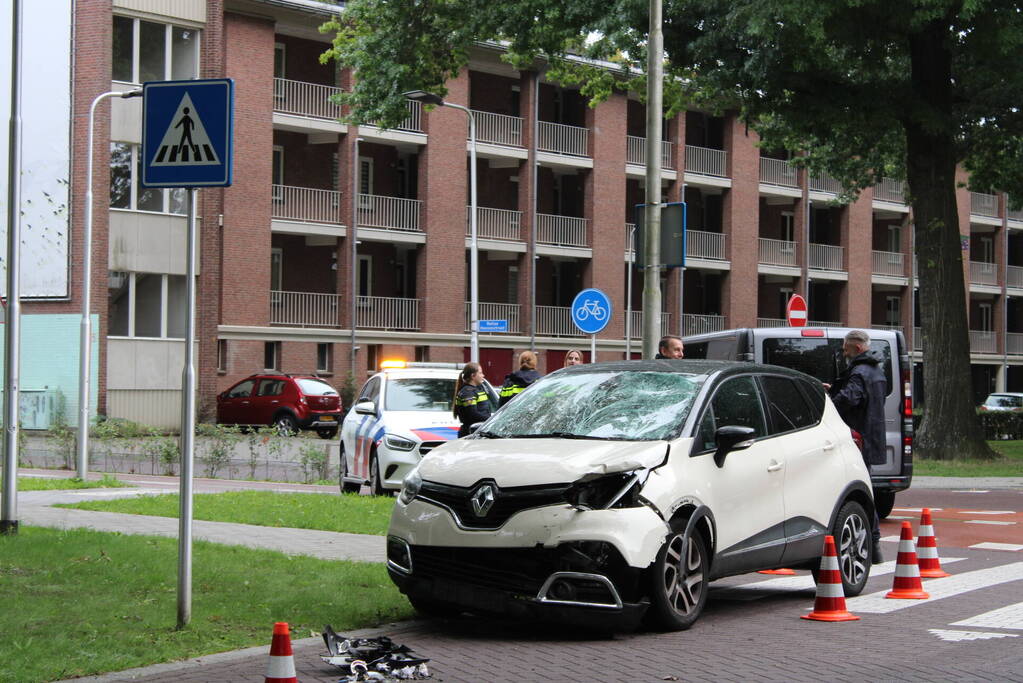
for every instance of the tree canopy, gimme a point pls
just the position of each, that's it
(863, 89)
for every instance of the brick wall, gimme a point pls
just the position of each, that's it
(740, 210)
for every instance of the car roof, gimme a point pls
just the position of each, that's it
(395, 373)
(1004, 393)
(689, 367)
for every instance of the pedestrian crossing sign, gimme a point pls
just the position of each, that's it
(187, 133)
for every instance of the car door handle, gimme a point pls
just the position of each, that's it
(774, 466)
(828, 445)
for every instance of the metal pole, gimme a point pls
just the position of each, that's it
(1005, 296)
(12, 330)
(652, 241)
(474, 268)
(534, 200)
(187, 429)
(353, 238)
(85, 344)
(628, 293)
(593, 348)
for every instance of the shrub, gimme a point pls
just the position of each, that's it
(214, 450)
(315, 462)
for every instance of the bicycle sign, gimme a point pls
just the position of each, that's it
(591, 310)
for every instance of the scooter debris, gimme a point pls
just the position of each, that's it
(373, 659)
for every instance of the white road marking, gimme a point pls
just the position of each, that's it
(897, 517)
(993, 522)
(987, 512)
(972, 491)
(916, 509)
(876, 603)
(893, 539)
(1010, 617)
(959, 636)
(987, 545)
(805, 581)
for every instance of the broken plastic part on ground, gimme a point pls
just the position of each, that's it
(373, 659)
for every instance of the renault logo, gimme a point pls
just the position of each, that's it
(483, 500)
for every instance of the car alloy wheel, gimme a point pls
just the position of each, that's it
(679, 580)
(286, 424)
(342, 472)
(376, 486)
(853, 541)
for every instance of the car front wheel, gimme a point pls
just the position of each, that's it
(678, 582)
(853, 543)
(376, 484)
(342, 472)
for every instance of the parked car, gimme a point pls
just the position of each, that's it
(288, 402)
(401, 414)
(1002, 402)
(613, 492)
(817, 351)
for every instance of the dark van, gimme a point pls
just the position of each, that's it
(817, 351)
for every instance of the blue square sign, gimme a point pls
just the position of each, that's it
(187, 133)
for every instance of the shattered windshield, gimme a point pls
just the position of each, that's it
(630, 405)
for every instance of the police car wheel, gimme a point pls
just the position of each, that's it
(376, 485)
(342, 472)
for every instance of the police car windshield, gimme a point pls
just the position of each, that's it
(420, 393)
(634, 406)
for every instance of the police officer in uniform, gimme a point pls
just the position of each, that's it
(516, 382)
(472, 404)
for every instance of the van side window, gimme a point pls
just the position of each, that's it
(786, 405)
(816, 356)
(695, 350)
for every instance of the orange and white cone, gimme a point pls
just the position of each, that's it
(830, 602)
(907, 584)
(281, 667)
(927, 548)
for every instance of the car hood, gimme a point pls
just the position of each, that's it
(528, 462)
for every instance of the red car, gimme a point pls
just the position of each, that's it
(288, 402)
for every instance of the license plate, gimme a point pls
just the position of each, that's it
(326, 418)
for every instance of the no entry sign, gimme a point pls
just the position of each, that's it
(795, 311)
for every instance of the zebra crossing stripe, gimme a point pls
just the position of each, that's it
(1010, 617)
(960, 636)
(875, 603)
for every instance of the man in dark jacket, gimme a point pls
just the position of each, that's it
(516, 382)
(859, 393)
(670, 347)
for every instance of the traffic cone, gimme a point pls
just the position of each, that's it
(281, 667)
(927, 549)
(907, 584)
(830, 602)
(778, 572)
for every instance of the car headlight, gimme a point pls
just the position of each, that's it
(619, 490)
(399, 443)
(410, 487)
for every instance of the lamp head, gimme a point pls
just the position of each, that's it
(424, 97)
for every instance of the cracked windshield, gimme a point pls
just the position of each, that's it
(642, 406)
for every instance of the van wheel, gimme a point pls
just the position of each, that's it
(884, 501)
(678, 580)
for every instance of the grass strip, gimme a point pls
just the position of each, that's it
(1010, 464)
(63, 484)
(325, 512)
(80, 602)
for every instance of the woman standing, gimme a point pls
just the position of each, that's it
(472, 404)
(516, 382)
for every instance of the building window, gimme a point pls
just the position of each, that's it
(147, 305)
(221, 355)
(272, 355)
(893, 311)
(324, 358)
(364, 276)
(149, 51)
(126, 191)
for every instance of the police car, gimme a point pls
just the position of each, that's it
(401, 414)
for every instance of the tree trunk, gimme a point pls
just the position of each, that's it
(950, 427)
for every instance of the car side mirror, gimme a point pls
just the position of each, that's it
(731, 438)
(366, 408)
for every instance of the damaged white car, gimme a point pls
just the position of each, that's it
(614, 492)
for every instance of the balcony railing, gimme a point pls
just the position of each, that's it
(488, 311)
(1014, 277)
(635, 153)
(777, 252)
(1015, 214)
(700, 324)
(556, 321)
(983, 341)
(561, 139)
(706, 161)
(772, 322)
(889, 190)
(778, 172)
(414, 122)
(825, 183)
(824, 323)
(983, 204)
(387, 313)
(826, 257)
(305, 204)
(305, 99)
(564, 231)
(918, 339)
(303, 309)
(983, 273)
(894, 328)
(1014, 344)
(705, 245)
(636, 329)
(498, 129)
(390, 213)
(494, 224)
(888, 263)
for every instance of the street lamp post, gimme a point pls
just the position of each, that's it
(85, 349)
(474, 303)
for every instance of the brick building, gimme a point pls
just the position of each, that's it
(282, 284)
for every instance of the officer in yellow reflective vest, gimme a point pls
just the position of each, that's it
(516, 382)
(472, 404)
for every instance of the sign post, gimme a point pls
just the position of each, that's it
(795, 311)
(591, 312)
(187, 141)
